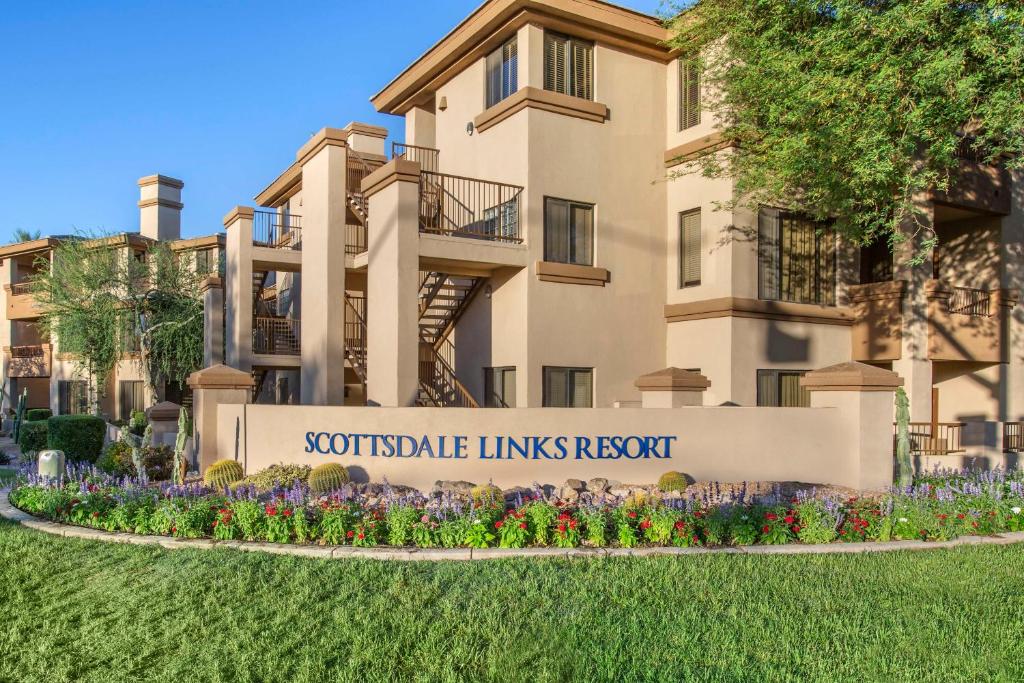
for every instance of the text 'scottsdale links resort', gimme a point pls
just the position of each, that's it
(532, 256)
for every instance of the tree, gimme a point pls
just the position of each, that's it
(102, 300)
(850, 109)
(22, 235)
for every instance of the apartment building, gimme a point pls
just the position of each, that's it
(527, 245)
(34, 362)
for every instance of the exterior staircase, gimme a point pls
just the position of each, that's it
(444, 299)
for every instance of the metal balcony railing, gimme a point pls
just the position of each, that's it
(934, 438)
(1013, 436)
(276, 230)
(969, 301)
(21, 288)
(468, 207)
(427, 157)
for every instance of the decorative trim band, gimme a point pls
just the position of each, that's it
(571, 274)
(734, 307)
(160, 201)
(544, 100)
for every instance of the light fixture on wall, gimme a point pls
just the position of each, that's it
(443, 104)
(488, 291)
(469, 128)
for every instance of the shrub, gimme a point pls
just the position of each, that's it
(79, 436)
(487, 494)
(32, 436)
(223, 473)
(327, 477)
(158, 462)
(673, 481)
(37, 414)
(137, 423)
(116, 459)
(282, 474)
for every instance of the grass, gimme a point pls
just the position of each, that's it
(75, 610)
(7, 475)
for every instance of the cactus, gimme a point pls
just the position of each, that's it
(327, 477)
(180, 466)
(904, 466)
(487, 494)
(19, 416)
(223, 473)
(673, 481)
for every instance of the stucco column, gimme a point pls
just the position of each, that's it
(238, 276)
(211, 387)
(323, 162)
(164, 418)
(863, 395)
(392, 284)
(913, 364)
(672, 388)
(213, 321)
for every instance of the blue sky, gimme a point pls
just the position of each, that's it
(220, 94)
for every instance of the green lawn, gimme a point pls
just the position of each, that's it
(74, 610)
(6, 476)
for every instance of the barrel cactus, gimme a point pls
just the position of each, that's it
(327, 477)
(673, 481)
(223, 473)
(487, 494)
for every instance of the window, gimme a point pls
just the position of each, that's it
(689, 248)
(876, 262)
(72, 397)
(502, 221)
(499, 387)
(781, 389)
(796, 259)
(130, 342)
(568, 232)
(502, 73)
(568, 66)
(689, 94)
(204, 261)
(568, 387)
(131, 398)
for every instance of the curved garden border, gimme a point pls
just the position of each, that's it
(337, 552)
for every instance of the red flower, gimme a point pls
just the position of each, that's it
(771, 516)
(561, 528)
(350, 534)
(361, 535)
(695, 539)
(563, 517)
(271, 510)
(789, 519)
(522, 525)
(765, 529)
(286, 512)
(572, 523)
(95, 515)
(698, 514)
(943, 516)
(646, 524)
(796, 528)
(631, 514)
(961, 516)
(680, 525)
(498, 525)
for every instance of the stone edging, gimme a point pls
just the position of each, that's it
(13, 514)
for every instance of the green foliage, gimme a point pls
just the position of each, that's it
(487, 495)
(184, 431)
(673, 481)
(36, 414)
(904, 464)
(223, 473)
(851, 108)
(19, 415)
(327, 477)
(137, 423)
(116, 459)
(79, 436)
(278, 475)
(32, 436)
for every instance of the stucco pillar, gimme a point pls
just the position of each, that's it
(238, 276)
(323, 162)
(913, 365)
(672, 388)
(213, 321)
(164, 418)
(863, 395)
(392, 284)
(211, 387)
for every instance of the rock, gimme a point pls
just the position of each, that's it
(455, 488)
(569, 494)
(575, 484)
(597, 485)
(627, 490)
(519, 493)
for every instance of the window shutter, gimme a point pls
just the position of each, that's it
(555, 71)
(582, 70)
(690, 248)
(689, 94)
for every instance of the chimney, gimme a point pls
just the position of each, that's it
(160, 207)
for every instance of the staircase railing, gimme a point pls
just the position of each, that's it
(276, 336)
(438, 380)
(276, 230)
(427, 157)
(468, 207)
(355, 334)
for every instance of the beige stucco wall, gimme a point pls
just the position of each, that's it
(725, 444)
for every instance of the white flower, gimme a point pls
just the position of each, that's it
(744, 517)
(903, 519)
(1015, 510)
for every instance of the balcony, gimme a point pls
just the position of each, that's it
(977, 186)
(21, 304)
(28, 361)
(274, 336)
(877, 332)
(968, 324)
(470, 208)
(273, 230)
(933, 438)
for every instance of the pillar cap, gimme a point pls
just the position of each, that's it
(220, 376)
(159, 179)
(673, 379)
(851, 376)
(392, 172)
(237, 213)
(165, 411)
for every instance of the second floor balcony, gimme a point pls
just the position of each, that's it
(28, 361)
(21, 303)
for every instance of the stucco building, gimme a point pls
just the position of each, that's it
(35, 362)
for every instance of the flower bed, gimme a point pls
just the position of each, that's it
(942, 506)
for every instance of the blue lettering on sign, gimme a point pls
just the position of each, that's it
(456, 447)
